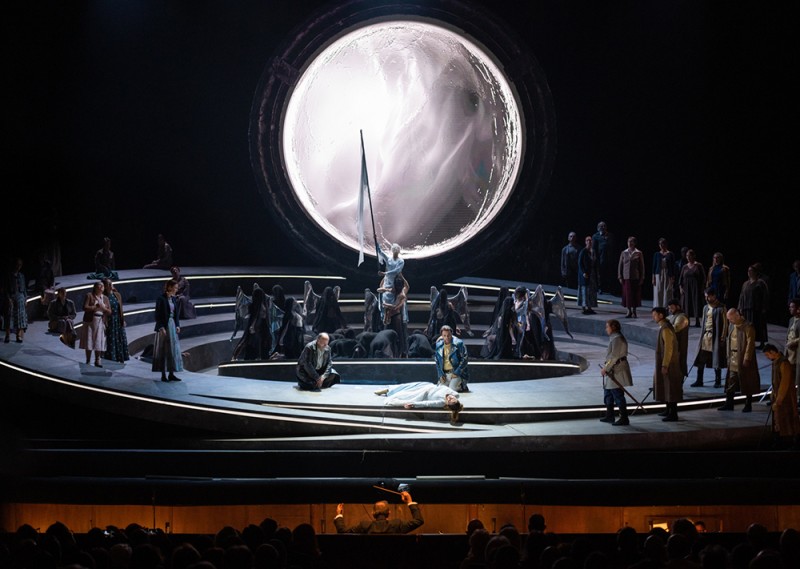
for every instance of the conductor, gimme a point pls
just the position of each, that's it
(381, 522)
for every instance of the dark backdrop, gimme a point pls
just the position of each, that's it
(125, 119)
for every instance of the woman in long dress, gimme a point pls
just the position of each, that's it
(16, 314)
(166, 345)
(116, 338)
(692, 280)
(423, 395)
(663, 274)
(93, 333)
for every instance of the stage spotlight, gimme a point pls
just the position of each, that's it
(457, 125)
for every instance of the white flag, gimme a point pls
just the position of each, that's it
(362, 192)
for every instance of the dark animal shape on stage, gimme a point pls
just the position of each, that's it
(372, 312)
(457, 304)
(241, 309)
(311, 301)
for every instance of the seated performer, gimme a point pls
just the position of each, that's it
(423, 395)
(450, 355)
(61, 314)
(314, 368)
(183, 303)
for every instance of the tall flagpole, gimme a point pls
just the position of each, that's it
(369, 196)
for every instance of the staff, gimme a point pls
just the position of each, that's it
(610, 374)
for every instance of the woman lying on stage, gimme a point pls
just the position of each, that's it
(423, 395)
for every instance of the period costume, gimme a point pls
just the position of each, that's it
(313, 364)
(604, 246)
(719, 278)
(166, 345)
(785, 421)
(256, 341)
(441, 314)
(61, 316)
(617, 375)
(291, 336)
(497, 344)
(93, 332)
(116, 337)
(328, 316)
(753, 304)
(569, 265)
(631, 272)
(711, 350)
(692, 281)
(664, 274)
(16, 313)
(451, 364)
(742, 373)
(681, 326)
(668, 388)
(793, 345)
(186, 309)
(588, 278)
(422, 394)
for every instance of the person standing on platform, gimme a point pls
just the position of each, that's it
(604, 249)
(93, 334)
(794, 280)
(315, 366)
(588, 277)
(667, 378)
(663, 274)
(712, 351)
(394, 265)
(692, 280)
(395, 314)
(793, 339)
(163, 258)
(569, 261)
(116, 338)
(630, 272)
(785, 420)
(450, 355)
(742, 373)
(167, 356)
(754, 303)
(381, 524)
(719, 277)
(15, 303)
(616, 375)
(681, 326)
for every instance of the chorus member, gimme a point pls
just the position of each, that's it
(163, 258)
(588, 277)
(569, 261)
(783, 397)
(754, 303)
(604, 248)
(104, 260)
(183, 300)
(681, 326)
(16, 314)
(450, 355)
(328, 316)
(315, 366)
(394, 265)
(630, 272)
(395, 314)
(256, 342)
(692, 280)
(291, 336)
(711, 349)
(93, 333)
(61, 315)
(663, 274)
(719, 277)
(116, 338)
(667, 378)
(380, 523)
(794, 280)
(166, 347)
(793, 338)
(616, 374)
(742, 373)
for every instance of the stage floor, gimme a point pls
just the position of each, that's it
(552, 414)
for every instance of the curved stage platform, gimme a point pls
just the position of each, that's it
(117, 434)
(520, 405)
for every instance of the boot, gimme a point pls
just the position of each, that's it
(728, 406)
(609, 416)
(629, 314)
(717, 378)
(623, 419)
(699, 381)
(672, 416)
(634, 313)
(748, 404)
(665, 412)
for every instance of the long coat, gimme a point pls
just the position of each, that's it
(749, 378)
(616, 363)
(719, 335)
(669, 387)
(785, 420)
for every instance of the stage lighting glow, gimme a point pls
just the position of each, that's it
(443, 135)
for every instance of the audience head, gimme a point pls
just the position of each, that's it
(536, 523)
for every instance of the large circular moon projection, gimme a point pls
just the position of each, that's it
(457, 146)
